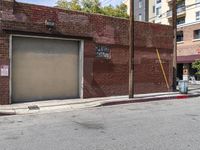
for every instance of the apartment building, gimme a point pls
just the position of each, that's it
(141, 9)
(188, 26)
(186, 11)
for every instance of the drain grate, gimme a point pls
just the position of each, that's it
(34, 107)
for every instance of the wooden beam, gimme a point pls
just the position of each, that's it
(131, 50)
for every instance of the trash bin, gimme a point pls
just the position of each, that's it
(183, 86)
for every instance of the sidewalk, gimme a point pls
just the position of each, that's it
(74, 104)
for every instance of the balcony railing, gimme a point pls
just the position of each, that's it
(179, 10)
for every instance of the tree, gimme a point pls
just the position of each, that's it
(118, 11)
(121, 10)
(62, 4)
(196, 65)
(94, 6)
(108, 10)
(73, 5)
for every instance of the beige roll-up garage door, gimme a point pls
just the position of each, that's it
(44, 69)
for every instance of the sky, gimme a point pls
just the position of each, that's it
(52, 2)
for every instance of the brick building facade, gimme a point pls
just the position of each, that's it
(104, 73)
(188, 48)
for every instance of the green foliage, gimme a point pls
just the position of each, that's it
(94, 6)
(91, 6)
(62, 4)
(121, 10)
(72, 5)
(118, 11)
(196, 65)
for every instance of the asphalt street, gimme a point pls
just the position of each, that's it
(161, 125)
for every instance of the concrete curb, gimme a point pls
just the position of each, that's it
(7, 113)
(148, 100)
(49, 108)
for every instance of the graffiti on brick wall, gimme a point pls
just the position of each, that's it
(102, 52)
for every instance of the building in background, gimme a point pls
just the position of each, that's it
(151, 11)
(141, 9)
(186, 10)
(188, 26)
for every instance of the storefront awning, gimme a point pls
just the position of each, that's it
(187, 59)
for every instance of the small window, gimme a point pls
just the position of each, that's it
(140, 3)
(170, 22)
(153, 9)
(140, 17)
(180, 21)
(158, 11)
(198, 15)
(179, 37)
(197, 34)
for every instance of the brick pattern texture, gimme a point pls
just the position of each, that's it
(189, 47)
(102, 77)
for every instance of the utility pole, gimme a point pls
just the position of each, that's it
(131, 51)
(174, 18)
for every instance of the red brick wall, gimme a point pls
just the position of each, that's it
(4, 60)
(102, 77)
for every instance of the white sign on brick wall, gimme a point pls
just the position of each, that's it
(4, 70)
(102, 52)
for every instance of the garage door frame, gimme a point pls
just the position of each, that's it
(81, 59)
